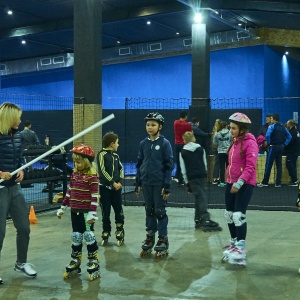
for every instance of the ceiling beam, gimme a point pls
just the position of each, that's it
(117, 16)
(282, 6)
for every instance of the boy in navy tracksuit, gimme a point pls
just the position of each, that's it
(277, 138)
(194, 171)
(154, 168)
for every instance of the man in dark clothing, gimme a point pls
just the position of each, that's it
(262, 133)
(292, 151)
(28, 136)
(277, 138)
(200, 135)
(263, 129)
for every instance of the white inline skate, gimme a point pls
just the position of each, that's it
(238, 255)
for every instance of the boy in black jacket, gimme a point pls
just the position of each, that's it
(110, 171)
(154, 168)
(194, 171)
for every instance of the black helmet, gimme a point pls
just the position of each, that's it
(156, 117)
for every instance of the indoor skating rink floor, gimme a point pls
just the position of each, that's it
(193, 269)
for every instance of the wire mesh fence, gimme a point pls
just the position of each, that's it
(59, 118)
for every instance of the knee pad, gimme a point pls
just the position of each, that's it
(228, 216)
(160, 213)
(149, 211)
(89, 237)
(76, 238)
(239, 218)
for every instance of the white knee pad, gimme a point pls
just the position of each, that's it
(239, 218)
(228, 216)
(76, 238)
(89, 237)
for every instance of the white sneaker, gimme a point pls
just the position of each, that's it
(261, 185)
(1, 281)
(27, 269)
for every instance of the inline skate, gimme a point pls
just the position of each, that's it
(210, 226)
(147, 245)
(227, 250)
(93, 266)
(238, 255)
(162, 247)
(73, 268)
(120, 233)
(105, 236)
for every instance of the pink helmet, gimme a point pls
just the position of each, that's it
(240, 118)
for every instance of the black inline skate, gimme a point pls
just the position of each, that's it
(93, 266)
(73, 268)
(147, 245)
(120, 233)
(162, 247)
(209, 226)
(105, 236)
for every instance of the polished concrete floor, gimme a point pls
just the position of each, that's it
(193, 269)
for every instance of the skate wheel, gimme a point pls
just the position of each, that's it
(93, 276)
(161, 254)
(224, 259)
(120, 243)
(145, 253)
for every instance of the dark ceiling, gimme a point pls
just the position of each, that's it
(46, 25)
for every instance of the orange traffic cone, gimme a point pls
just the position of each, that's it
(32, 216)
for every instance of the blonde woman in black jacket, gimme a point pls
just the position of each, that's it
(11, 195)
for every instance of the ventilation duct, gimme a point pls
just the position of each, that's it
(117, 54)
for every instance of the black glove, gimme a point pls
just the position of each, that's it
(188, 188)
(166, 188)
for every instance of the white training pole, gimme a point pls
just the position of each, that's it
(78, 135)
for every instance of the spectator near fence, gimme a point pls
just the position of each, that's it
(277, 138)
(222, 140)
(29, 137)
(292, 151)
(180, 127)
(216, 167)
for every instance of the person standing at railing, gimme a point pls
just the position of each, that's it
(180, 127)
(29, 137)
(11, 195)
(292, 151)
(277, 137)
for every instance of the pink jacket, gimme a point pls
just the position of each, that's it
(244, 166)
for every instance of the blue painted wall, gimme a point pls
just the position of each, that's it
(281, 80)
(245, 75)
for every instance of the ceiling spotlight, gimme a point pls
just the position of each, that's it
(286, 53)
(240, 24)
(148, 22)
(118, 42)
(23, 42)
(177, 33)
(198, 17)
(9, 12)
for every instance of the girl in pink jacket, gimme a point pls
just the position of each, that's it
(241, 180)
